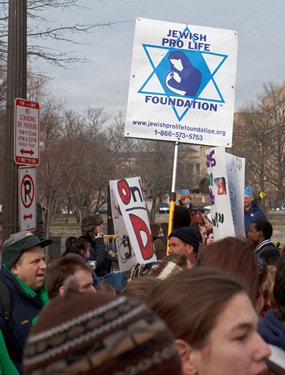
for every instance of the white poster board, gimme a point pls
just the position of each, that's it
(236, 175)
(131, 224)
(182, 83)
(226, 184)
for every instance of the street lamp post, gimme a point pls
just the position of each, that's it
(16, 88)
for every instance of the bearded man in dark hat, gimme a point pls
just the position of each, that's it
(185, 240)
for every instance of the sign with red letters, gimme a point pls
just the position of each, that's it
(131, 224)
(27, 132)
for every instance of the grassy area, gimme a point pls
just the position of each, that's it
(277, 218)
(278, 223)
(64, 224)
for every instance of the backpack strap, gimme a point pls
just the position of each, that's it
(6, 304)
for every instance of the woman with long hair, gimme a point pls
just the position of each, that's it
(213, 321)
(236, 256)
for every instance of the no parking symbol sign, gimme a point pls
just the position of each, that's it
(27, 198)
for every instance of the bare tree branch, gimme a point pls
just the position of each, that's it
(40, 27)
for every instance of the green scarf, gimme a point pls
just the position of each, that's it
(7, 367)
(27, 290)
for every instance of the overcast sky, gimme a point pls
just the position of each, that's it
(104, 82)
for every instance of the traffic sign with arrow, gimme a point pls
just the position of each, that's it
(31, 152)
(27, 198)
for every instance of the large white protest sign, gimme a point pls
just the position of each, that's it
(226, 184)
(131, 224)
(235, 173)
(182, 83)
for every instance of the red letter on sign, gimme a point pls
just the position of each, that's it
(140, 226)
(124, 191)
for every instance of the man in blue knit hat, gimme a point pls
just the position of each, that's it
(251, 211)
(185, 198)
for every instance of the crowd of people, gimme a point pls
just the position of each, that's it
(205, 307)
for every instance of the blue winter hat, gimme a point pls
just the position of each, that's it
(248, 191)
(185, 193)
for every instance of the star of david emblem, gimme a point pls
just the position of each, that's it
(183, 73)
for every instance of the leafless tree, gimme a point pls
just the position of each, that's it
(42, 29)
(55, 164)
(95, 149)
(189, 169)
(155, 164)
(259, 136)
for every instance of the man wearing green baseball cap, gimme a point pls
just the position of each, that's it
(23, 273)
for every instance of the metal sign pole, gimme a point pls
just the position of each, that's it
(16, 87)
(173, 191)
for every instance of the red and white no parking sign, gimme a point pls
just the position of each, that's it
(27, 198)
(27, 132)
